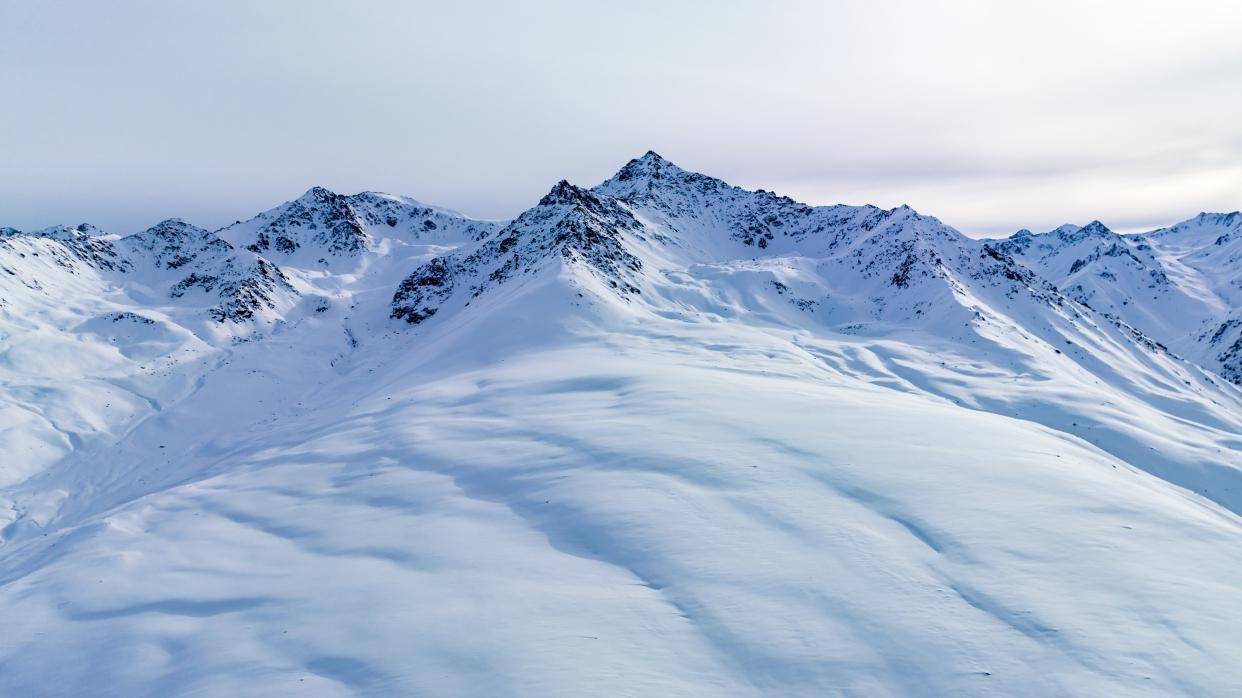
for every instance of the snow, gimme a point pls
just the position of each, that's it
(867, 457)
(1180, 284)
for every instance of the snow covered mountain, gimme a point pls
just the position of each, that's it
(324, 224)
(659, 436)
(238, 285)
(1181, 284)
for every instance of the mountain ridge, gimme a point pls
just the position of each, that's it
(690, 210)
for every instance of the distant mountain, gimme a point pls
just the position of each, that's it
(240, 285)
(1181, 285)
(324, 224)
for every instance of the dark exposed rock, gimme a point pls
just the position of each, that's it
(577, 226)
(241, 282)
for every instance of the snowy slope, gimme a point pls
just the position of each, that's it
(907, 300)
(662, 436)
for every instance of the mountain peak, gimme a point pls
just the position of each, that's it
(171, 223)
(1071, 233)
(173, 243)
(64, 232)
(650, 166)
(173, 227)
(1220, 218)
(1095, 227)
(317, 194)
(566, 193)
(653, 178)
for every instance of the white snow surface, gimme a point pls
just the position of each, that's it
(663, 437)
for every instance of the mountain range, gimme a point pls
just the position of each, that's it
(663, 435)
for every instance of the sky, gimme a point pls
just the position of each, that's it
(992, 116)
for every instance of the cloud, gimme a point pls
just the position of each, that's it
(989, 115)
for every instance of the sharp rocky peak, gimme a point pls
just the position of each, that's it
(317, 194)
(320, 217)
(565, 193)
(582, 228)
(650, 165)
(1096, 228)
(568, 207)
(650, 175)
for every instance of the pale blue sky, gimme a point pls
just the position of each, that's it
(989, 115)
